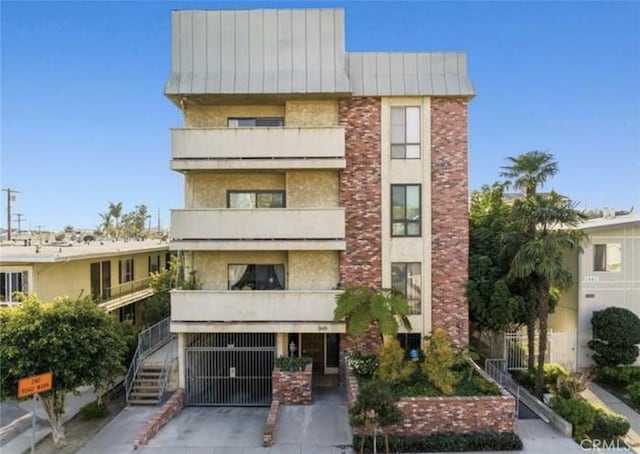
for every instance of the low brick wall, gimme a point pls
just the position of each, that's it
(170, 408)
(429, 415)
(270, 425)
(292, 388)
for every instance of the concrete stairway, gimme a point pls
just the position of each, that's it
(146, 387)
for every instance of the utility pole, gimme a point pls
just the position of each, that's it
(19, 216)
(10, 198)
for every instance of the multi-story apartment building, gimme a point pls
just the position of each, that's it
(116, 274)
(307, 169)
(606, 273)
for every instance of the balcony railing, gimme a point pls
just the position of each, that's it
(253, 306)
(258, 224)
(123, 294)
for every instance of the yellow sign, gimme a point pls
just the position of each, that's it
(35, 384)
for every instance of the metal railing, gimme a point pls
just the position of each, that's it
(169, 358)
(127, 288)
(497, 369)
(149, 340)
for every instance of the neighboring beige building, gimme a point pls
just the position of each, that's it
(606, 274)
(116, 274)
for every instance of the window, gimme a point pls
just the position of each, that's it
(101, 280)
(607, 257)
(167, 261)
(154, 263)
(405, 210)
(125, 271)
(405, 132)
(406, 278)
(127, 312)
(256, 199)
(255, 122)
(410, 341)
(12, 282)
(256, 277)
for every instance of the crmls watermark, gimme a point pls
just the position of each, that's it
(595, 444)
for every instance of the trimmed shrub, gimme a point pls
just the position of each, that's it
(552, 372)
(609, 425)
(446, 442)
(362, 366)
(292, 363)
(634, 392)
(616, 333)
(93, 410)
(392, 367)
(578, 412)
(570, 386)
(618, 376)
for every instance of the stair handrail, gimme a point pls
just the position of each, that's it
(149, 340)
(169, 358)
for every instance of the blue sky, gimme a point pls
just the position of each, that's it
(84, 120)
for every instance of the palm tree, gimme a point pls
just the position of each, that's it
(115, 210)
(527, 172)
(105, 225)
(362, 307)
(539, 256)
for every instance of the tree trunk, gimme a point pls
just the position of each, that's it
(54, 408)
(543, 314)
(531, 348)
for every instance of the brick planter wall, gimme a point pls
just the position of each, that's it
(170, 408)
(429, 415)
(449, 217)
(292, 388)
(270, 425)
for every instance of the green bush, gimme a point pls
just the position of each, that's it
(292, 363)
(570, 386)
(616, 333)
(362, 366)
(392, 366)
(446, 442)
(609, 425)
(578, 412)
(618, 376)
(93, 410)
(552, 372)
(634, 392)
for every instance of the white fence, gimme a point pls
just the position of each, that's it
(561, 349)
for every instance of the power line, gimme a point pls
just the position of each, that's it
(10, 198)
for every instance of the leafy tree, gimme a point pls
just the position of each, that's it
(134, 222)
(75, 340)
(616, 334)
(362, 307)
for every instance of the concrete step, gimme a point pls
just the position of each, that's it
(141, 402)
(137, 394)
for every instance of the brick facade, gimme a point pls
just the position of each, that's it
(270, 426)
(292, 388)
(171, 407)
(360, 192)
(449, 217)
(429, 415)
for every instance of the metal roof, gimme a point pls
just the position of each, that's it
(297, 51)
(258, 51)
(409, 74)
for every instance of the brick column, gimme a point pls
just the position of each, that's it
(449, 217)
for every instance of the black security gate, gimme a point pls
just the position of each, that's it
(229, 368)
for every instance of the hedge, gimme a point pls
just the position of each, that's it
(445, 442)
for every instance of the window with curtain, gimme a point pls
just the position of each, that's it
(405, 132)
(12, 282)
(607, 257)
(406, 278)
(256, 277)
(405, 210)
(256, 199)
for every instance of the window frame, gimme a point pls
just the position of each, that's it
(157, 267)
(606, 247)
(405, 143)
(404, 220)
(416, 306)
(284, 275)
(126, 273)
(257, 192)
(8, 281)
(255, 120)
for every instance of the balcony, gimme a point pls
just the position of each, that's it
(124, 294)
(258, 229)
(275, 306)
(257, 148)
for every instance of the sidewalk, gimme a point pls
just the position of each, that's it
(598, 396)
(22, 442)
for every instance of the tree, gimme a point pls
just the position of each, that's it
(616, 334)
(134, 222)
(105, 226)
(539, 255)
(115, 211)
(75, 340)
(362, 307)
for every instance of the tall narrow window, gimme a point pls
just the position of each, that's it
(154, 263)
(405, 210)
(125, 271)
(406, 278)
(405, 132)
(607, 257)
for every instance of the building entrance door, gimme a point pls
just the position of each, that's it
(313, 347)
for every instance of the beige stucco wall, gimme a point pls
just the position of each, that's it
(209, 189)
(212, 267)
(313, 270)
(216, 116)
(311, 113)
(313, 189)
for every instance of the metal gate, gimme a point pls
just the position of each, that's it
(229, 368)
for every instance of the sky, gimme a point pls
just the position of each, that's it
(84, 122)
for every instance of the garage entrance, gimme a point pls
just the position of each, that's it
(230, 369)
